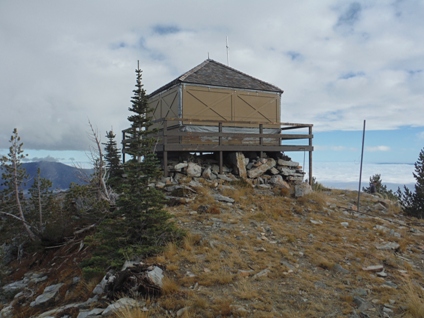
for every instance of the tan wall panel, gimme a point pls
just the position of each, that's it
(257, 107)
(165, 105)
(230, 105)
(154, 105)
(207, 104)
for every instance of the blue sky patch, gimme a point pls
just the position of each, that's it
(351, 75)
(351, 15)
(294, 56)
(331, 116)
(163, 29)
(119, 45)
(414, 72)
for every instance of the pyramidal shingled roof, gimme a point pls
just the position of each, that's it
(213, 73)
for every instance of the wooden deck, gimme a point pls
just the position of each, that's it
(172, 138)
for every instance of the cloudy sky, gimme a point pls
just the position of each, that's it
(339, 63)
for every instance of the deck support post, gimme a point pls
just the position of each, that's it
(310, 156)
(261, 140)
(221, 170)
(165, 152)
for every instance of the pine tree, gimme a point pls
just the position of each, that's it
(148, 226)
(139, 226)
(379, 187)
(113, 160)
(413, 202)
(14, 178)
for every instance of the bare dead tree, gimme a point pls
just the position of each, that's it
(101, 171)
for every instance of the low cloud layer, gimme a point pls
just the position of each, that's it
(64, 63)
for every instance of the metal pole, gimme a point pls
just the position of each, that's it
(228, 53)
(362, 159)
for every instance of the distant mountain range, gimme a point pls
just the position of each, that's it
(59, 174)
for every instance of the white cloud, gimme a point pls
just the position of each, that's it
(334, 148)
(378, 148)
(66, 62)
(47, 158)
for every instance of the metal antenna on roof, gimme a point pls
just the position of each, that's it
(228, 53)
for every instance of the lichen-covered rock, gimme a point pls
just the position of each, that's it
(302, 189)
(48, 294)
(278, 181)
(260, 170)
(124, 302)
(237, 159)
(194, 170)
(156, 275)
(6, 312)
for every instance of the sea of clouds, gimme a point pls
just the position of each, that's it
(345, 175)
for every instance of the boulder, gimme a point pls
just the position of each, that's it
(278, 181)
(222, 198)
(48, 294)
(180, 166)
(15, 286)
(237, 159)
(96, 312)
(274, 170)
(208, 174)
(100, 287)
(6, 312)
(125, 302)
(302, 189)
(194, 170)
(260, 170)
(285, 163)
(156, 275)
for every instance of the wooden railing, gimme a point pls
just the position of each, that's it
(173, 139)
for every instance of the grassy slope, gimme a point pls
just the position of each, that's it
(269, 255)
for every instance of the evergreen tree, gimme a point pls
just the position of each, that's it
(14, 178)
(147, 223)
(113, 160)
(379, 187)
(139, 226)
(413, 202)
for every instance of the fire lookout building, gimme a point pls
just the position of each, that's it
(216, 109)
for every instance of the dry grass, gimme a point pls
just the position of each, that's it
(81, 291)
(172, 302)
(244, 289)
(223, 306)
(171, 252)
(214, 210)
(169, 286)
(322, 262)
(414, 299)
(219, 277)
(131, 312)
(203, 197)
(314, 200)
(191, 240)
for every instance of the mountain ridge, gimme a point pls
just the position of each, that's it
(61, 175)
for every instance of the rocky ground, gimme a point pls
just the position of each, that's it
(249, 252)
